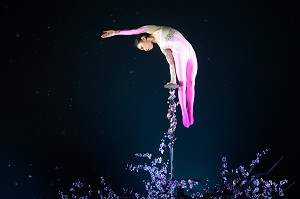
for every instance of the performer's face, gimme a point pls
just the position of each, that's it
(145, 44)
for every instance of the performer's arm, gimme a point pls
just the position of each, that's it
(143, 29)
(170, 59)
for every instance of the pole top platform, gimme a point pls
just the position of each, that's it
(171, 86)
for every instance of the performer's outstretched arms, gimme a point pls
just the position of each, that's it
(143, 29)
(110, 33)
(170, 59)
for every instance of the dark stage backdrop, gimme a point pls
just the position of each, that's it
(75, 107)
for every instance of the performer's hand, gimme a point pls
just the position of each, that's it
(108, 33)
(170, 82)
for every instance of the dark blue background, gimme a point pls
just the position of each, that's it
(75, 106)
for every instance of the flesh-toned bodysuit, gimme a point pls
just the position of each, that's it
(185, 63)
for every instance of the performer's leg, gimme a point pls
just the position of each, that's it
(192, 67)
(181, 63)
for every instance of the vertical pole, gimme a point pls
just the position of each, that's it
(173, 122)
(172, 162)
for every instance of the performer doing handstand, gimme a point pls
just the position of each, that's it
(180, 56)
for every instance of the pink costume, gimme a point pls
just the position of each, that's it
(185, 64)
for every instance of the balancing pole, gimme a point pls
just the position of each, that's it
(170, 134)
(173, 122)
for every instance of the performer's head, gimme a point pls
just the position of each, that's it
(144, 42)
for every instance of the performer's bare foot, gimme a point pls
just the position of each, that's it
(191, 118)
(192, 121)
(185, 121)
